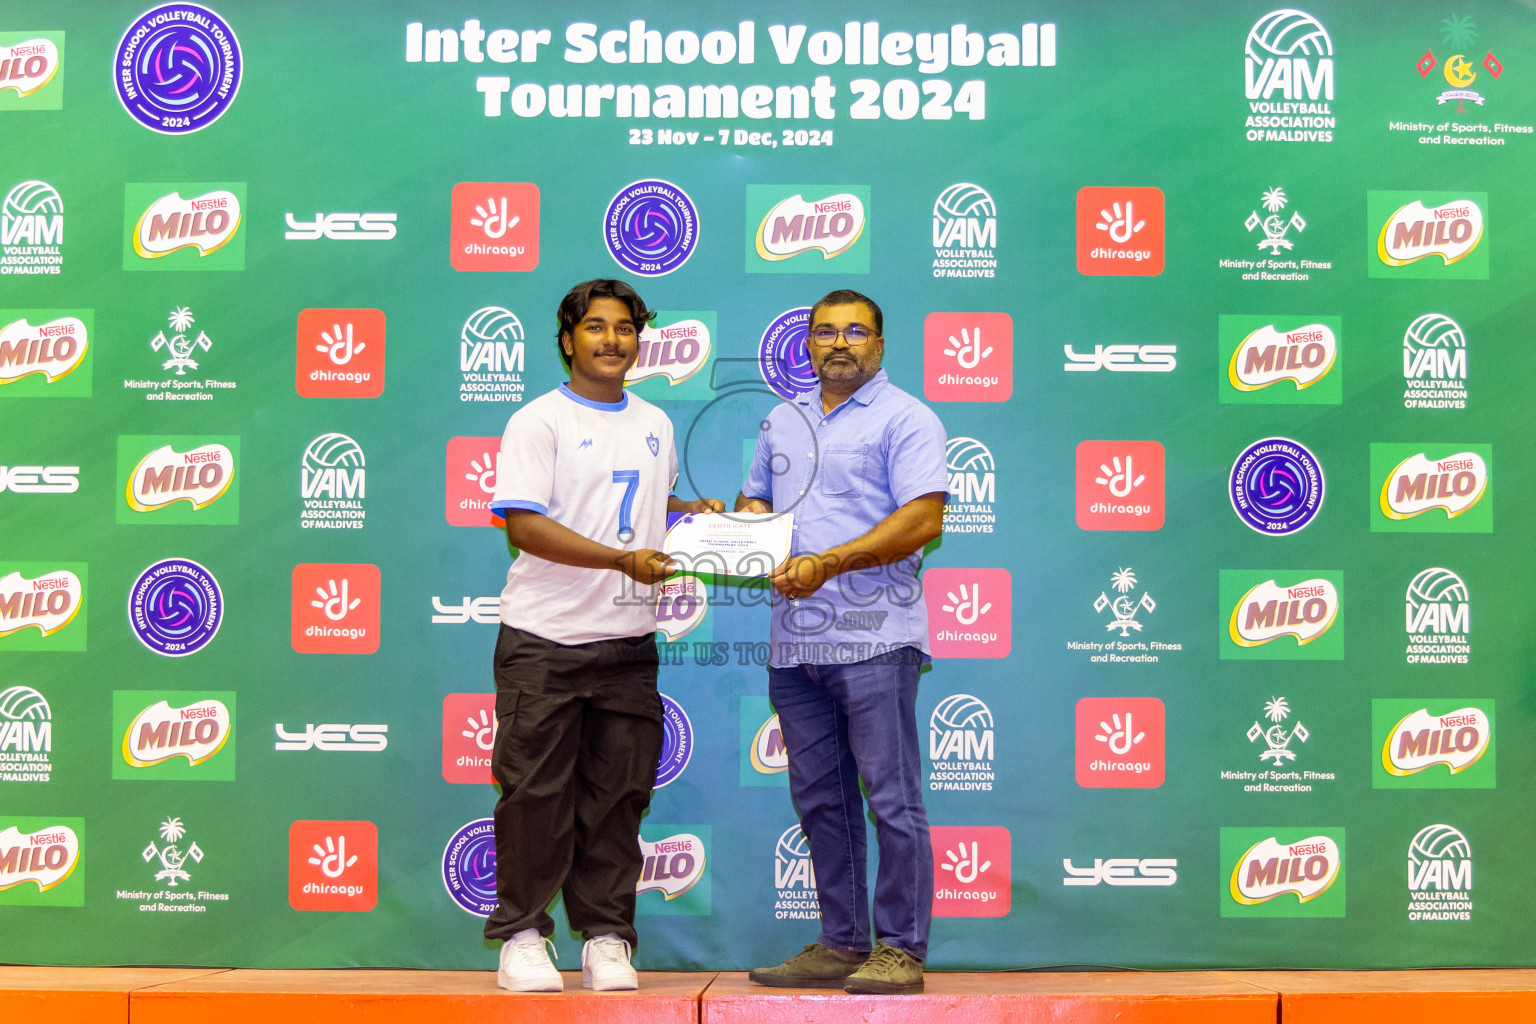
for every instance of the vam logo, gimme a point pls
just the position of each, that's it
(26, 735)
(345, 227)
(32, 229)
(47, 603)
(40, 862)
(972, 487)
(1270, 354)
(1300, 618)
(1434, 363)
(204, 222)
(333, 481)
(810, 230)
(1408, 228)
(1419, 741)
(1438, 619)
(1288, 79)
(494, 226)
(29, 61)
(174, 735)
(199, 476)
(340, 353)
(1439, 875)
(961, 744)
(970, 612)
(1306, 868)
(47, 352)
(491, 356)
(794, 878)
(964, 232)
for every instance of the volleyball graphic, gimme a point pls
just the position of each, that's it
(1434, 330)
(964, 200)
(1288, 33)
(961, 711)
(330, 450)
(22, 703)
(492, 323)
(792, 845)
(32, 197)
(966, 454)
(1437, 585)
(1439, 842)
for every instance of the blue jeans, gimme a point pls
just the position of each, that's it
(841, 723)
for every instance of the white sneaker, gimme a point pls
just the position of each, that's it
(605, 965)
(525, 965)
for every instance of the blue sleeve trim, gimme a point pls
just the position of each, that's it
(529, 506)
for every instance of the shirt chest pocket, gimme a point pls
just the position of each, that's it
(842, 470)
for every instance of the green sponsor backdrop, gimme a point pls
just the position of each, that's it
(333, 119)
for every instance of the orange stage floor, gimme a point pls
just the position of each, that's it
(186, 995)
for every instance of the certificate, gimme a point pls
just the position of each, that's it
(741, 544)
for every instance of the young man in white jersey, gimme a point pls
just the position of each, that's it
(584, 481)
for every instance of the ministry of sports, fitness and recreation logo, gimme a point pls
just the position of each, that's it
(491, 356)
(1439, 875)
(964, 232)
(172, 479)
(794, 878)
(676, 741)
(807, 229)
(38, 601)
(30, 63)
(177, 68)
(174, 226)
(651, 227)
(1288, 79)
(35, 358)
(32, 230)
(1276, 486)
(1427, 234)
(469, 867)
(961, 745)
(972, 487)
(26, 735)
(1123, 606)
(1417, 489)
(1285, 614)
(40, 862)
(1433, 744)
(333, 483)
(1434, 363)
(1438, 616)
(174, 735)
(1297, 872)
(1458, 34)
(175, 607)
(1290, 360)
(782, 355)
(1278, 740)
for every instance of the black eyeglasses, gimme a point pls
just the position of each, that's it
(854, 334)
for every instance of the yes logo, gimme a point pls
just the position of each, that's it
(333, 865)
(968, 357)
(1120, 231)
(1427, 235)
(469, 737)
(1282, 873)
(1281, 360)
(673, 864)
(174, 735)
(1120, 742)
(1119, 485)
(494, 226)
(40, 862)
(180, 226)
(807, 229)
(1433, 744)
(178, 480)
(45, 353)
(1432, 488)
(1292, 615)
(340, 354)
(970, 612)
(973, 871)
(335, 609)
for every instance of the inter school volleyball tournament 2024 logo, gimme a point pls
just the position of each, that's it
(42, 606)
(1280, 360)
(1445, 488)
(45, 353)
(651, 227)
(782, 355)
(175, 607)
(1288, 79)
(32, 230)
(177, 68)
(1276, 486)
(31, 65)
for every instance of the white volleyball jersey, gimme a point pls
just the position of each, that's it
(603, 470)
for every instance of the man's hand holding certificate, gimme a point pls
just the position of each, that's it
(744, 545)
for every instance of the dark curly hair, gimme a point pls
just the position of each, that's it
(573, 308)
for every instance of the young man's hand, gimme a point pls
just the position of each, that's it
(705, 505)
(647, 566)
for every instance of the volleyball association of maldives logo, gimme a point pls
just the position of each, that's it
(175, 607)
(469, 867)
(651, 227)
(1288, 79)
(782, 355)
(178, 68)
(676, 742)
(1276, 486)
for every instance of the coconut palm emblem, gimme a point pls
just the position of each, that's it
(1275, 737)
(179, 344)
(1124, 607)
(1275, 226)
(171, 856)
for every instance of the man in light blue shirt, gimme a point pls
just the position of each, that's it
(861, 465)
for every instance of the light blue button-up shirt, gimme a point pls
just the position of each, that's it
(840, 473)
